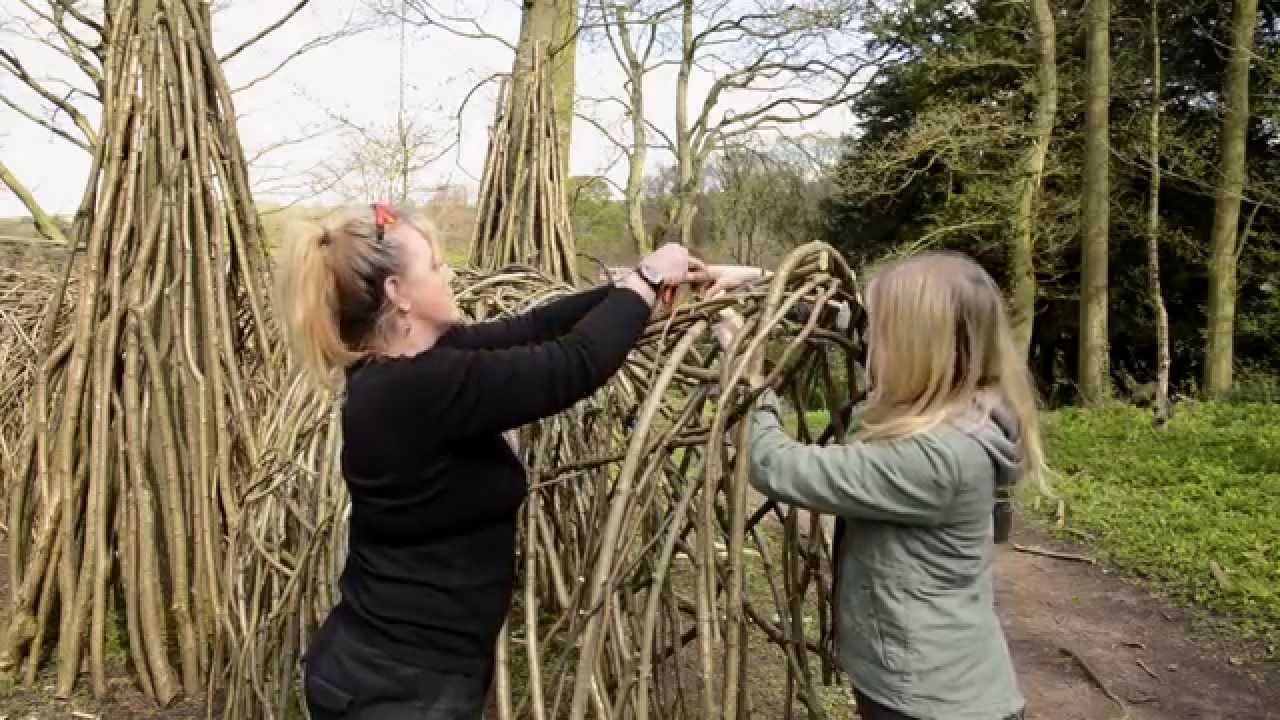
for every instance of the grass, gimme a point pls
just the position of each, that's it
(1195, 507)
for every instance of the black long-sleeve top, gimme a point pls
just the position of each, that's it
(435, 488)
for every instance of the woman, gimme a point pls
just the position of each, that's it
(434, 487)
(950, 421)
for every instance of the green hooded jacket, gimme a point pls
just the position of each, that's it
(915, 615)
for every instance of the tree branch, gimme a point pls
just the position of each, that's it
(44, 223)
(10, 62)
(85, 20)
(429, 16)
(316, 43)
(266, 31)
(46, 124)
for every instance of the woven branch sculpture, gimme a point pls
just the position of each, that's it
(635, 537)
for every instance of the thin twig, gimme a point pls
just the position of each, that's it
(1097, 680)
(1054, 554)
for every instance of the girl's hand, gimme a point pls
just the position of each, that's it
(728, 329)
(720, 279)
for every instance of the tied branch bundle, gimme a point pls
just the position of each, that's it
(132, 464)
(521, 215)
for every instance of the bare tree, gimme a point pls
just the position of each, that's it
(766, 198)
(551, 27)
(633, 31)
(772, 65)
(385, 160)
(807, 59)
(67, 107)
(547, 27)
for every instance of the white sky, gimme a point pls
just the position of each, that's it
(356, 77)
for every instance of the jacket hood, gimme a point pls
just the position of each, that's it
(997, 430)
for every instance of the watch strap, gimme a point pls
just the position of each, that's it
(645, 274)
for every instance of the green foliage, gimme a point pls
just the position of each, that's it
(940, 152)
(599, 221)
(1168, 504)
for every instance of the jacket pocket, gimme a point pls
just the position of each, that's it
(872, 633)
(895, 645)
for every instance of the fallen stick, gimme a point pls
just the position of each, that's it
(1089, 537)
(1053, 554)
(1097, 680)
(1148, 670)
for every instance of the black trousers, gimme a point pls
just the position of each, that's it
(869, 709)
(350, 676)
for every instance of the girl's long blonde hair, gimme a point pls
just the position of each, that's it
(331, 283)
(940, 348)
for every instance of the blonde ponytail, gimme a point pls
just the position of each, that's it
(309, 302)
(331, 283)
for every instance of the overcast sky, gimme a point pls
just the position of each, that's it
(356, 78)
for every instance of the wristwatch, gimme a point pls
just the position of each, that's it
(651, 277)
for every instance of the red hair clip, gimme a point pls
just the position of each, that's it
(383, 216)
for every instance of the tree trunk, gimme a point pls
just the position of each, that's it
(685, 204)
(1161, 404)
(1093, 277)
(1023, 251)
(1226, 220)
(563, 71)
(636, 232)
(550, 26)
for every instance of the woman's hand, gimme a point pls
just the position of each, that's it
(719, 279)
(727, 332)
(673, 262)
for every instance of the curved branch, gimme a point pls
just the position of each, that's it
(46, 125)
(10, 62)
(266, 31)
(313, 44)
(44, 223)
(431, 17)
(85, 20)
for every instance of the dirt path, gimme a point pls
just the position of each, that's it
(1047, 604)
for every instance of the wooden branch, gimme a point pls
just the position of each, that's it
(265, 31)
(73, 11)
(1072, 557)
(431, 17)
(10, 62)
(44, 223)
(74, 46)
(1097, 680)
(312, 44)
(46, 124)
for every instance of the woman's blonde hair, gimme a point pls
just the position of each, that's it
(940, 348)
(332, 282)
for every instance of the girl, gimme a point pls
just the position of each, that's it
(949, 423)
(434, 487)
